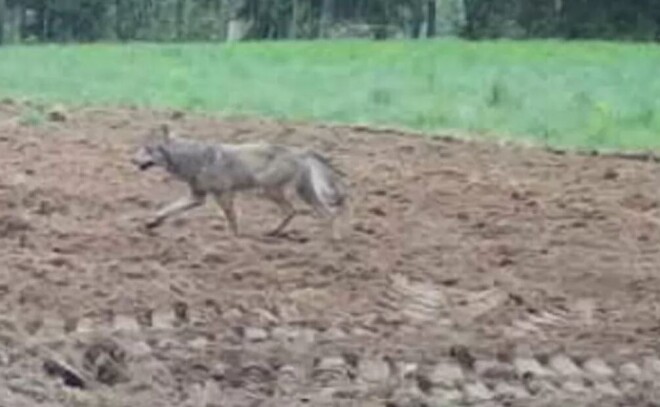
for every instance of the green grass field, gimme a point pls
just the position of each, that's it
(582, 94)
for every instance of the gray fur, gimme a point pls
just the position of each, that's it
(222, 170)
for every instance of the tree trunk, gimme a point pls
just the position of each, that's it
(237, 29)
(327, 7)
(431, 19)
(21, 21)
(461, 15)
(417, 19)
(11, 24)
(3, 17)
(240, 14)
(44, 22)
(179, 19)
(118, 15)
(295, 16)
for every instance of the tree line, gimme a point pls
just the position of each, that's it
(231, 20)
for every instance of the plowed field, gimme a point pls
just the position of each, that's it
(470, 273)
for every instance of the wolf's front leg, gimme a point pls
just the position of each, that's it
(179, 206)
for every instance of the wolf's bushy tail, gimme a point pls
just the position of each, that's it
(321, 185)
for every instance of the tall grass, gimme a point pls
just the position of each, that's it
(583, 94)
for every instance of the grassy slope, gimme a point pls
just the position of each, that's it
(575, 94)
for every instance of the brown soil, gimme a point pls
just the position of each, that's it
(455, 253)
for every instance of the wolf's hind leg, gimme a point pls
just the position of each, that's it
(277, 196)
(335, 233)
(226, 202)
(179, 206)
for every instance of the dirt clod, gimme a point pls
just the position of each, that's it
(106, 361)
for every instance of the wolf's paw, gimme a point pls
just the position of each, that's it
(152, 223)
(275, 233)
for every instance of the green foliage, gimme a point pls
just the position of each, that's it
(32, 116)
(202, 20)
(217, 20)
(570, 19)
(588, 94)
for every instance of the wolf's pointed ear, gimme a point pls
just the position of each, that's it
(165, 132)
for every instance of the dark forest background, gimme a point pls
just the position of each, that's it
(222, 20)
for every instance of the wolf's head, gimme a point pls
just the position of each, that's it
(153, 151)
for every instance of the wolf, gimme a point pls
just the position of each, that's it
(222, 170)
